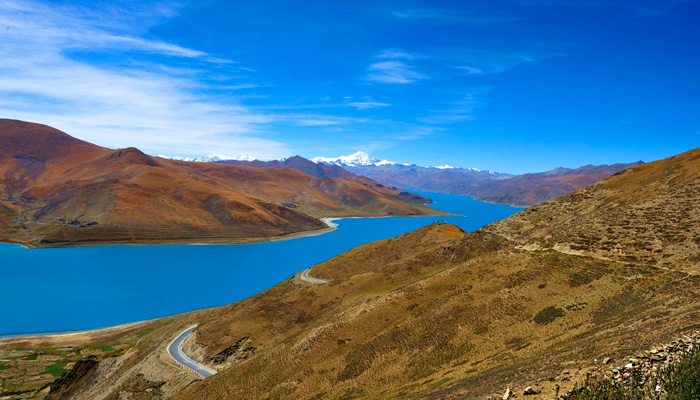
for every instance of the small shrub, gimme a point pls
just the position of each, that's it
(548, 315)
(682, 382)
(684, 379)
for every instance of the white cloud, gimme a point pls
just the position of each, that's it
(48, 72)
(490, 62)
(393, 72)
(449, 16)
(395, 53)
(470, 70)
(316, 122)
(365, 105)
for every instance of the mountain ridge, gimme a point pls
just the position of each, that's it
(489, 186)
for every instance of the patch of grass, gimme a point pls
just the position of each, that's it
(684, 379)
(32, 357)
(55, 369)
(104, 347)
(586, 276)
(354, 393)
(4, 367)
(548, 315)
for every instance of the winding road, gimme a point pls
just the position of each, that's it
(175, 352)
(305, 277)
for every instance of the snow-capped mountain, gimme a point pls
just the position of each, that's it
(353, 160)
(210, 158)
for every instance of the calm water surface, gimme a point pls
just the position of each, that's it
(68, 289)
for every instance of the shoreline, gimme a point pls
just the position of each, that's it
(473, 198)
(8, 339)
(330, 227)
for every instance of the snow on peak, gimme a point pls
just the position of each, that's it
(221, 157)
(444, 167)
(359, 158)
(210, 158)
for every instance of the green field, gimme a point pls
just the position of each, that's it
(55, 369)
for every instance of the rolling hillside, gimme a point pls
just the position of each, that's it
(57, 190)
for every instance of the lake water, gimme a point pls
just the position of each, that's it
(79, 288)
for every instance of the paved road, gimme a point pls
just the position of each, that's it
(175, 352)
(305, 277)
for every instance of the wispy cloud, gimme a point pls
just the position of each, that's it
(365, 105)
(395, 53)
(490, 62)
(48, 70)
(393, 71)
(470, 70)
(448, 16)
(460, 110)
(315, 122)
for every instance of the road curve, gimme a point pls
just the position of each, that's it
(305, 277)
(175, 352)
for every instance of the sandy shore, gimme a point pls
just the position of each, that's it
(68, 338)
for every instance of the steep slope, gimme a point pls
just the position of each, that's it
(56, 189)
(647, 214)
(417, 317)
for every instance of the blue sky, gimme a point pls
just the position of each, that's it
(511, 86)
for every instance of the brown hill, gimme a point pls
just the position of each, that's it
(647, 214)
(536, 188)
(56, 189)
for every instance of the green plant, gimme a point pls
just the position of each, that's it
(548, 315)
(684, 379)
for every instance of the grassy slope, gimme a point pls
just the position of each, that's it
(454, 319)
(502, 306)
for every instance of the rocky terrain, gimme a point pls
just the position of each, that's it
(58, 190)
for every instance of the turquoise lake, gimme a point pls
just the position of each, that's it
(79, 288)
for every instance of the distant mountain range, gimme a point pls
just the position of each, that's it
(58, 190)
(490, 186)
(210, 158)
(318, 170)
